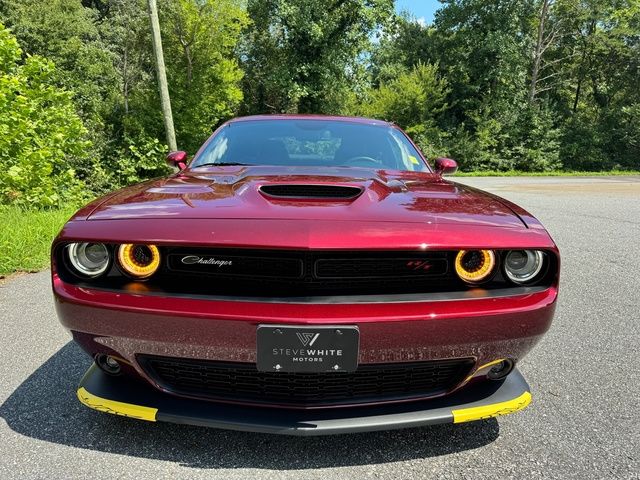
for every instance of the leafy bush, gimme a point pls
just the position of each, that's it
(524, 138)
(413, 99)
(527, 142)
(624, 141)
(41, 135)
(611, 141)
(142, 159)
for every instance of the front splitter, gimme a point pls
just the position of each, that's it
(122, 396)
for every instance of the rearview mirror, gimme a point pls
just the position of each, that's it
(446, 166)
(177, 159)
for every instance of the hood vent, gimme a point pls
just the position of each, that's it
(311, 191)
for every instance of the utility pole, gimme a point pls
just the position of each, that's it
(162, 76)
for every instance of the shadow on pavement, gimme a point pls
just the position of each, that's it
(45, 407)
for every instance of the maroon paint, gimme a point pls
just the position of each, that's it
(177, 159)
(446, 166)
(221, 206)
(134, 323)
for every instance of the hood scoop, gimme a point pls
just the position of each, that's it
(311, 191)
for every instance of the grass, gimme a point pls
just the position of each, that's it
(25, 237)
(516, 173)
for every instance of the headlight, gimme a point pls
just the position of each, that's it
(522, 266)
(474, 266)
(88, 259)
(139, 261)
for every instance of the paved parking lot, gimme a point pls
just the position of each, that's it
(584, 375)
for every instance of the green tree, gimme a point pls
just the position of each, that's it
(41, 137)
(199, 39)
(600, 90)
(67, 33)
(102, 49)
(305, 55)
(132, 126)
(404, 43)
(414, 100)
(483, 49)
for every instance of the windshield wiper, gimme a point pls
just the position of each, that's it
(223, 164)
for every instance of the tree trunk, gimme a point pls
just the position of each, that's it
(581, 69)
(577, 96)
(186, 48)
(125, 80)
(537, 55)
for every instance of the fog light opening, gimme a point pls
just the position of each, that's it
(501, 370)
(108, 364)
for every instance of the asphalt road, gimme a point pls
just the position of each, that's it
(583, 422)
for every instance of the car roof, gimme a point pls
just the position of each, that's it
(332, 118)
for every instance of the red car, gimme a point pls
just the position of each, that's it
(305, 275)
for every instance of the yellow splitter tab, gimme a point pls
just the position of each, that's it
(116, 408)
(488, 411)
(120, 396)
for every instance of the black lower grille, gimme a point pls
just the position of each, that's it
(242, 382)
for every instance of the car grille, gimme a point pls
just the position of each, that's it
(242, 382)
(274, 273)
(377, 268)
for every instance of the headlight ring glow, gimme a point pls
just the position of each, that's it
(522, 266)
(89, 259)
(139, 260)
(475, 266)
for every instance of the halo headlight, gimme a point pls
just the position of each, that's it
(89, 259)
(138, 260)
(475, 266)
(522, 266)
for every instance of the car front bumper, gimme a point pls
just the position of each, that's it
(120, 395)
(128, 324)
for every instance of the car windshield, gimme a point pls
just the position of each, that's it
(299, 142)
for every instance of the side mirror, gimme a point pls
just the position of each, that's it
(177, 159)
(446, 166)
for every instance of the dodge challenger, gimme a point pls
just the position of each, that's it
(305, 275)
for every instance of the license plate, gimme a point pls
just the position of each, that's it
(307, 349)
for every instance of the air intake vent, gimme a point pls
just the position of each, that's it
(242, 382)
(311, 191)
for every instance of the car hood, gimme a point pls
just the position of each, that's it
(237, 193)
